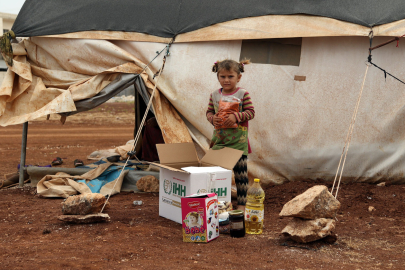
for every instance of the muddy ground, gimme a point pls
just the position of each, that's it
(136, 237)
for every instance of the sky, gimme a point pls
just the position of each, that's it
(11, 6)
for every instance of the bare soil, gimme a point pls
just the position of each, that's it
(136, 237)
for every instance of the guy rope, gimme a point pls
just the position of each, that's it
(132, 153)
(343, 156)
(348, 138)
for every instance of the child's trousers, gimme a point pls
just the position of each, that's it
(241, 179)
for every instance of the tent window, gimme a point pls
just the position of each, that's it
(5, 31)
(275, 51)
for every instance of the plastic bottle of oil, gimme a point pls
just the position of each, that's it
(254, 210)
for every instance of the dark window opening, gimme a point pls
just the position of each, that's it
(276, 51)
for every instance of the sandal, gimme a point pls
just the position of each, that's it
(57, 161)
(78, 163)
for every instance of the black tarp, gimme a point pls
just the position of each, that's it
(167, 18)
(122, 82)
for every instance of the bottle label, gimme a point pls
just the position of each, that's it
(254, 215)
(236, 225)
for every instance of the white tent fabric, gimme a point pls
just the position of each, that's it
(49, 74)
(300, 126)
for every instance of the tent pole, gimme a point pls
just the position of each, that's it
(23, 153)
(137, 111)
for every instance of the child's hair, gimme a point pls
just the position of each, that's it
(227, 64)
(194, 214)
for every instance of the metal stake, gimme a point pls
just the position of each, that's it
(23, 153)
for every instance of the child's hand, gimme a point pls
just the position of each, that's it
(230, 120)
(217, 120)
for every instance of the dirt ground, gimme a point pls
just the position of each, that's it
(136, 237)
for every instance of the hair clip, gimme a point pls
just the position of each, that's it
(216, 62)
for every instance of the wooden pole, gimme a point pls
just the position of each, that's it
(23, 153)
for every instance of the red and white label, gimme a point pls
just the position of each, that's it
(193, 204)
(210, 203)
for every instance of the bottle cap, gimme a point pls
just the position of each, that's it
(257, 180)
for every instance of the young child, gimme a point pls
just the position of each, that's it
(229, 74)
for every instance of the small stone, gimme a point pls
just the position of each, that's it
(316, 202)
(137, 202)
(371, 208)
(148, 183)
(83, 204)
(82, 219)
(304, 231)
(382, 184)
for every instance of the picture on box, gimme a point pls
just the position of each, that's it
(193, 220)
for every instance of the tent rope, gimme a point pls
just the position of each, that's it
(143, 120)
(147, 65)
(379, 46)
(353, 120)
(348, 138)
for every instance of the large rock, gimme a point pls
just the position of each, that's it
(304, 231)
(316, 202)
(148, 183)
(80, 219)
(87, 203)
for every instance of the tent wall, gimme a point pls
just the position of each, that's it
(301, 126)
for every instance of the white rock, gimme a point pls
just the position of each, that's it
(316, 202)
(304, 231)
(84, 204)
(92, 218)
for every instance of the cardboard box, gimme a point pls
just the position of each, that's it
(183, 174)
(200, 217)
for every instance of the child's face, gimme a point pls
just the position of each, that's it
(228, 80)
(193, 219)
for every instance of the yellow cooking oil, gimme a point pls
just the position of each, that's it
(254, 210)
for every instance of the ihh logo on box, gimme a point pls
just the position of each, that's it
(179, 190)
(221, 192)
(167, 186)
(176, 188)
